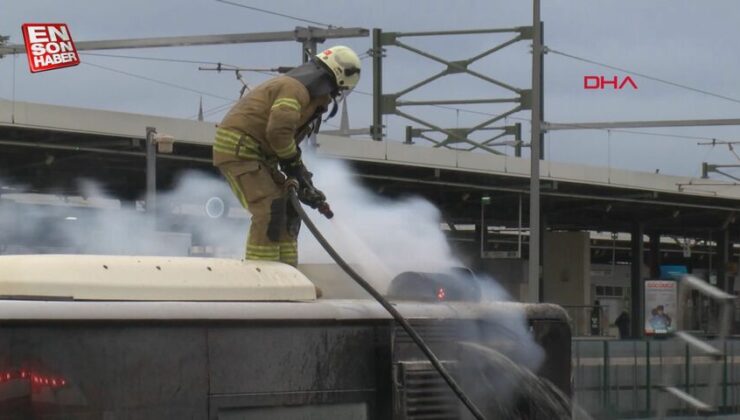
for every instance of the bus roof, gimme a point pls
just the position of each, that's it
(136, 278)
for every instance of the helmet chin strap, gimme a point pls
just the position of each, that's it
(334, 109)
(342, 95)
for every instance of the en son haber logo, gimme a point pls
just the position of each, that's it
(49, 46)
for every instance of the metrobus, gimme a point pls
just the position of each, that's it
(125, 337)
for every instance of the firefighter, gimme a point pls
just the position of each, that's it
(257, 147)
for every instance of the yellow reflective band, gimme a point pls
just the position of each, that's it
(251, 248)
(262, 248)
(258, 246)
(263, 253)
(289, 102)
(243, 152)
(237, 190)
(259, 258)
(248, 142)
(265, 256)
(286, 151)
(232, 137)
(228, 133)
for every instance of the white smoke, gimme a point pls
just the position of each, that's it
(380, 236)
(383, 238)
(96, 223)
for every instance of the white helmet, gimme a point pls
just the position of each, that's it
(344, 64)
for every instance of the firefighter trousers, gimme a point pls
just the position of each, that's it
(274, 230)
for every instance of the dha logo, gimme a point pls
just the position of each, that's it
(599, 82)
(49, 46)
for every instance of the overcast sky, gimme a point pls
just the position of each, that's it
(687, 42)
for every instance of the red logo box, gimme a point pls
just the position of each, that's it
(49, 46)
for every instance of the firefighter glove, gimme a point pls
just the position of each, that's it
(307, 193)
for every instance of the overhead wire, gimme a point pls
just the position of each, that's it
(224, 66)
(646, 76)
(214, 110)
(270, 12)
(643, 75)
(489, 114)
(456, 109)
(153, 80)
(162, 59)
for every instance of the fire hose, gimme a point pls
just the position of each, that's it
(292, 187)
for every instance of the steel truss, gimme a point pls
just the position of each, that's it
(391, 103)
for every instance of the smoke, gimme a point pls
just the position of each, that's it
(96, 223)
(379, 236)
(383, 238)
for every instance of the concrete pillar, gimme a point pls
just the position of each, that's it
(654, 255)
(567, 272)
(636, 281)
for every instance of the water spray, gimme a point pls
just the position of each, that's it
(291, 186)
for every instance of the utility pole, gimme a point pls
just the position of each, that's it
(534, 158)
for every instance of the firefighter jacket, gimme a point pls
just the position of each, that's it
(264, 124)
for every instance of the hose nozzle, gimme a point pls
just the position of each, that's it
(325, 209)
(291, 186)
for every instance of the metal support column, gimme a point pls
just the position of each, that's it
(535, 153)
(518, 140)
(151, 170)
(485, 200)
(377, 128)
(309, 48)
(723, 257)
(636, 282)
(541, 86)
(654, 255)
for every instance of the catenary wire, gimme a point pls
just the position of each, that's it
(162, 82)
(169, 60)
(656, 79)
(488, 114)
(270, 12)
(456, 109)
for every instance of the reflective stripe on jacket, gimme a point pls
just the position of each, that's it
(238, 145)
(268, 118)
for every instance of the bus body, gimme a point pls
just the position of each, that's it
(65, 357)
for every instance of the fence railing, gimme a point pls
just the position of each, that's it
(624, 378)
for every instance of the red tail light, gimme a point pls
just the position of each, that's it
(441, 293)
